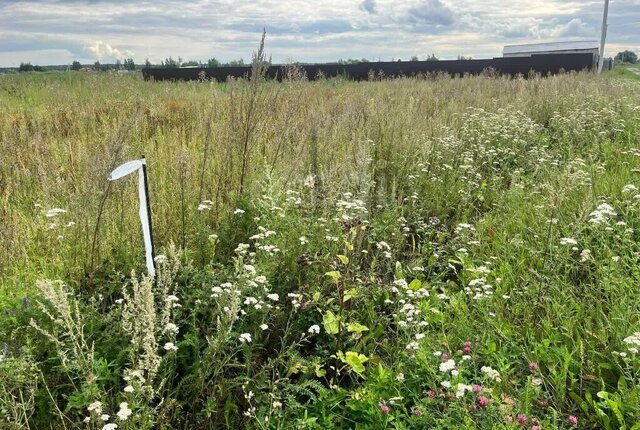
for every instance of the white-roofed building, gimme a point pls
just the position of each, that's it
(573, 47)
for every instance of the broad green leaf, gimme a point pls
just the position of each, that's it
(357, 327)
(320, 372)
(344, 259)
(331, 323)
(349, 294)
(356, 361)
(415, 284)
(334, 275)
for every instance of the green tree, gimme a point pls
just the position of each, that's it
(212, 62)
(626, 57)
(129, 64)
(76, 65)
(147, 63)
(170, 63)
(191, 63)
(25, 67)
(239, 62)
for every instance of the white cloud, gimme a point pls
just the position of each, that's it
(108, 30)
(103, 51)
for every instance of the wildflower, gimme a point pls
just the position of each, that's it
(483, 401)
(273, 297)
(431, 394)
(205, 205)
(277, 404)
(383, 407)
(417, 412)
(310, 181)
(171, 328)
(169, 346)
(54, 212)
(238, 212)
(245, 337)
(585, 255)
(128, 389)
(447, 366)
(446, 384)
(477, 388)
(491, 373)
(568, 241)
(533, 366)
(535, 427)
(400, 377)
(572, 420)
(466, 349)
(461, 389)
(264, 326)
(383, 246)
(111, 426)
(104, 417)
(522, 420)
(303, 240)
(629, 188)
(412, 346)
(314, 329)
(602, 214)
(95, 407)
(124, 411)
(160, 259)
(86, 420)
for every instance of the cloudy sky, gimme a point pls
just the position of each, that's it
(60, 31)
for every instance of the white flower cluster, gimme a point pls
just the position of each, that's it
(602, 214)
(634, 342)
(491, 373)
(350, 208)
(205, 205)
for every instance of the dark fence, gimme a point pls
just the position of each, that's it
(544, 64)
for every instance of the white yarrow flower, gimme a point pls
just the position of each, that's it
(54, 212)
(124, 411)
(169, 346)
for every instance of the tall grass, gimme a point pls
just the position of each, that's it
(401, 217)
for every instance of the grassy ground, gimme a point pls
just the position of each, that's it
(445, 253)
(627, 71)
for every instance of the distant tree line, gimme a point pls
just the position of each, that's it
(629, 57)
(170, 62)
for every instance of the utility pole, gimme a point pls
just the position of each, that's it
(604, 35)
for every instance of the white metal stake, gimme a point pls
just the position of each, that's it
(604, 35)
(144, 209)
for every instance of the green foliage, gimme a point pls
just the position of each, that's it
(626, 57)
(129, 64)
(76, 65)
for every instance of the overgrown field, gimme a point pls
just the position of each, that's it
(405, 254)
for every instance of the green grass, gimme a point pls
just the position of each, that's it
(624, 71)
(389, 227)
